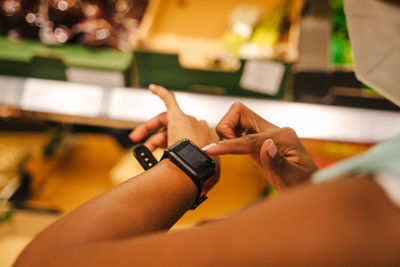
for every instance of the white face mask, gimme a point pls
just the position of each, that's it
(374, 29)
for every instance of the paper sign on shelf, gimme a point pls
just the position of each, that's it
(62, 97)
(134, 104)
(262, 76)
(95, 76)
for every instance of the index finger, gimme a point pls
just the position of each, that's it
(167, 97)
(240, 119)
(247, 144)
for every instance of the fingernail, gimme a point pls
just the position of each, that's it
(152, 86)
(208, 147)
(272, 150)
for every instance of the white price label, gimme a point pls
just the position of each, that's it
(62, 97)
(262, 76)
(94, 76)
(134, 104)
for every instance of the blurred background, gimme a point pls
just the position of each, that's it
(73, 75)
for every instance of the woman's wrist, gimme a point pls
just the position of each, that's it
(188, 183)
(181, 183)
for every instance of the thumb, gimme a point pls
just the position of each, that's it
(272, 160)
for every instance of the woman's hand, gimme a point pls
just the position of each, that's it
(278, 151)
(172, 126)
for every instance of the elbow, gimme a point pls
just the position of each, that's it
(26, 258)
(34, 255)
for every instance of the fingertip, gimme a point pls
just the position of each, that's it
(232, 146)
(138, 134)
(271, 148)
(158, 90)
(149, 146)
(265, 158)
(132, 136)
(209, 147)
(225, 132)
(167, 97)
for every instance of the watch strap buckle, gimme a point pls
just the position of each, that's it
(144, 157)
(198, 202)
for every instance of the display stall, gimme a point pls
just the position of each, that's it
(74, 78)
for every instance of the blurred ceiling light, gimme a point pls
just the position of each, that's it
(91, 10)
(11, 7)
(102, 34)
(62, 5)
(123, 6)
(30, 18)
(62, 34)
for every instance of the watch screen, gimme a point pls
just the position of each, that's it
(193, 157)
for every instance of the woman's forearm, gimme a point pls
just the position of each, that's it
(152, 201)
(349, 222)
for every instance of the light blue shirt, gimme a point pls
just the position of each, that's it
(382, 158)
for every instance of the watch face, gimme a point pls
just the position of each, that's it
(194, 157)
(194, 162)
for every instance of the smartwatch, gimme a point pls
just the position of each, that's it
(189, 158)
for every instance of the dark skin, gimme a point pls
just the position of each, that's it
(347, 222)
(282, 157)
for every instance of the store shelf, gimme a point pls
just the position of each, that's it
(125, 107)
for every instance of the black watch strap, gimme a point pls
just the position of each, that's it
(147, 161)
(144, 157)
(199, 198)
